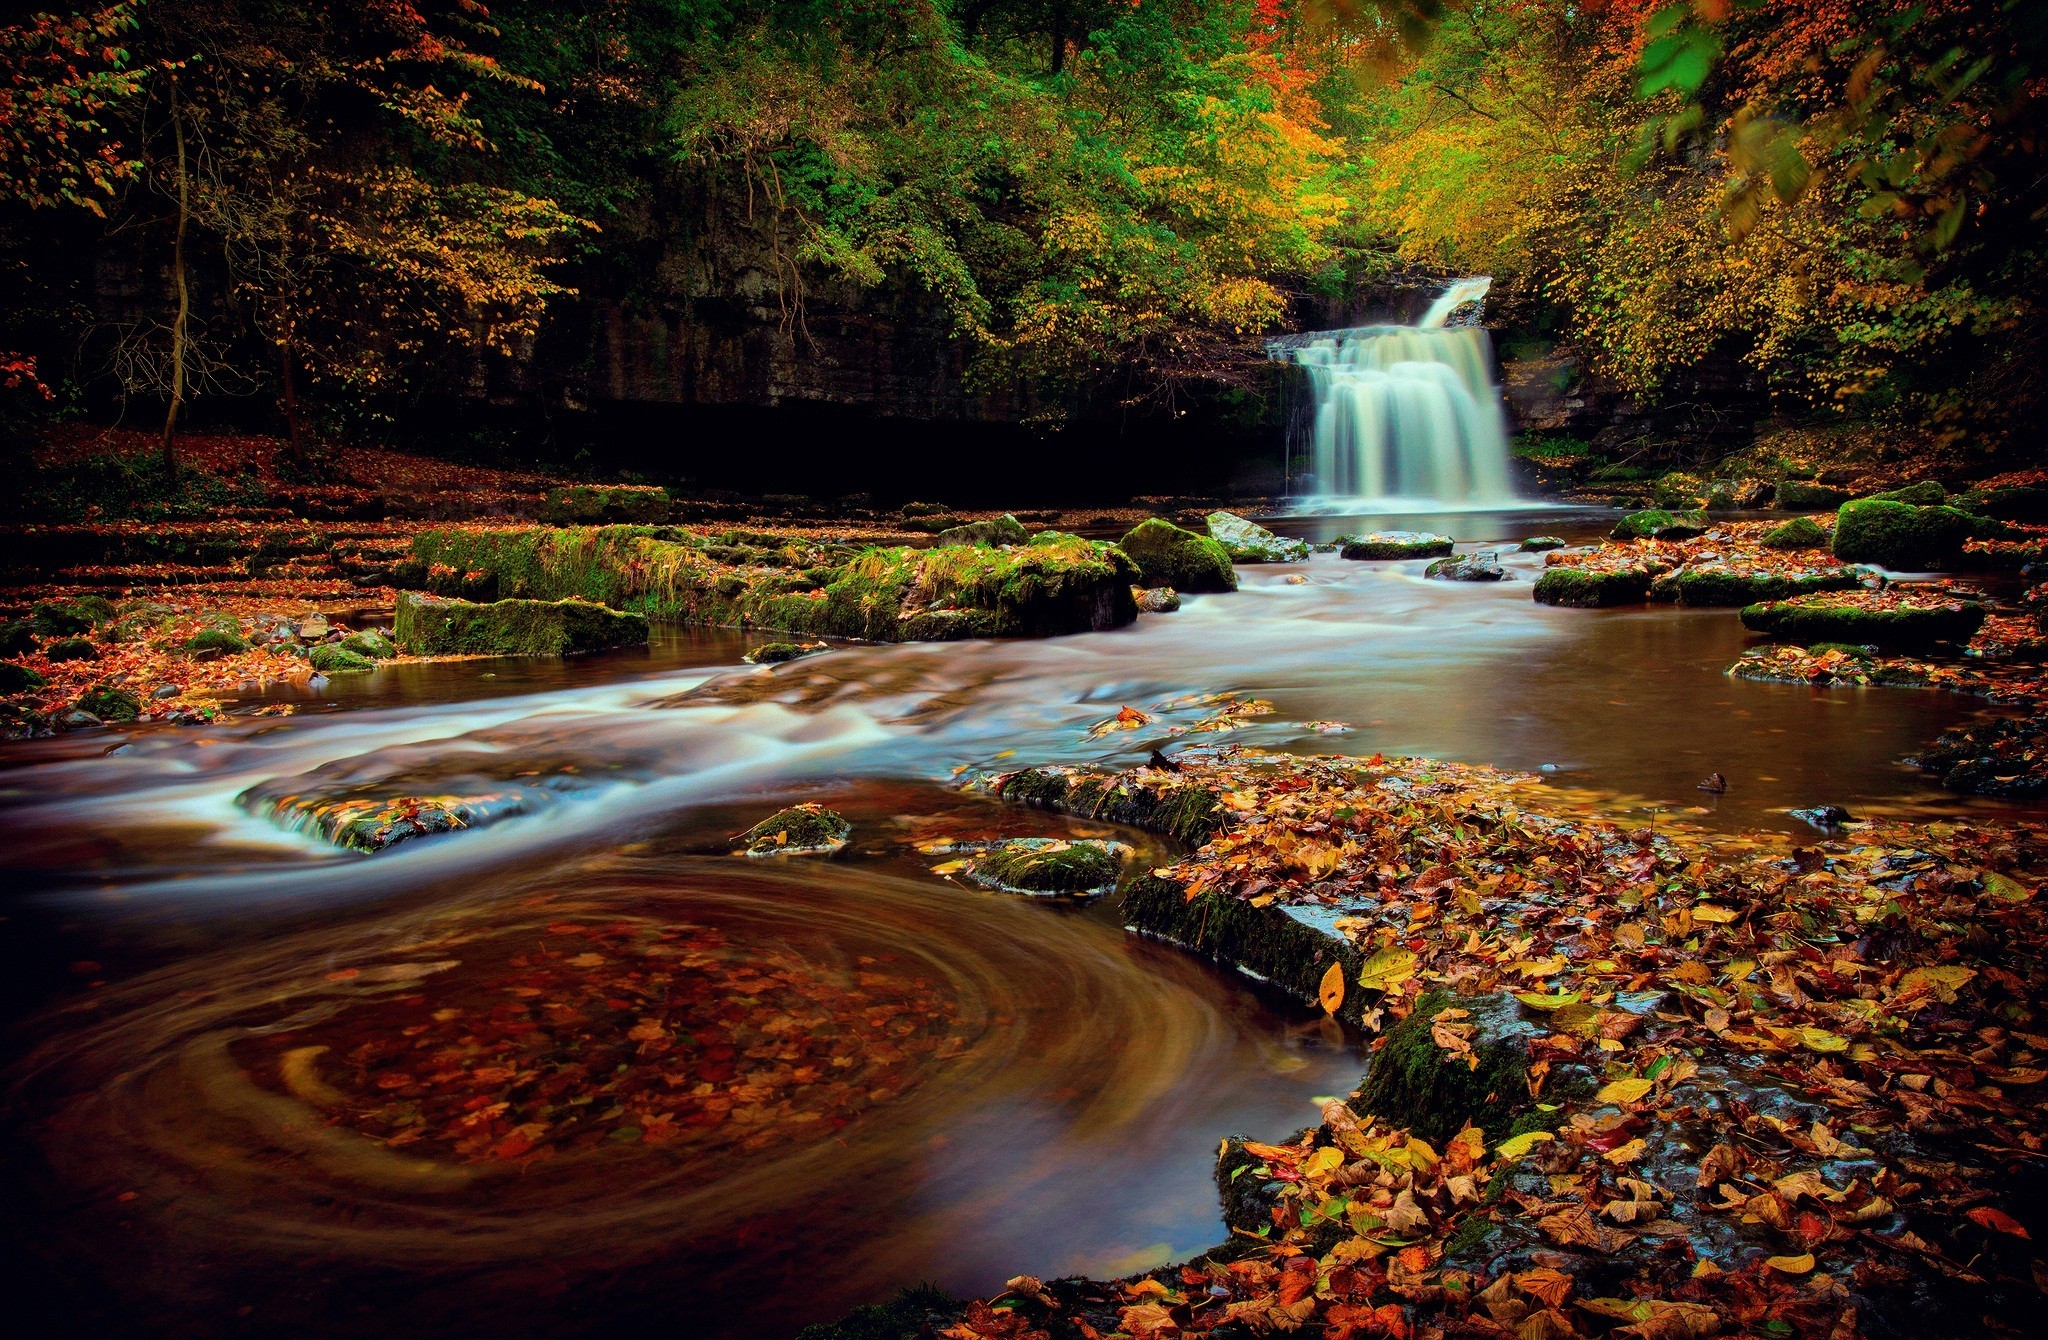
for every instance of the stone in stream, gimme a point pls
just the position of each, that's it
(776, 653)
(1249, 542)
(1415, 1082)
(801, 830)
(1395, 544)
(1905, 623)
(1801, 532)
(371, 644)
(1905, 537)
(1583, 588)
(1166, 555)
(432, 626)
(1796, 495)
(1657, 524)
(1042, 867)
(1538, 544)
(1827, 818)
(336, 659)
(371, 818)
(110, 703)
(1713, 585)
(1156, 599)
(1480, 567)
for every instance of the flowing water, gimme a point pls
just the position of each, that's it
(1406, 412)
(230, 1105)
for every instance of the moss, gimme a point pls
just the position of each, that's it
(1656, 523)
(372, 645)
(1815, 620)
(60, 618)
(1677, 492)
(1166, 555)
(1004, 529)
(1903, 536)
(2010, 502)
(1801, 532)
(800, 830)
(1396, 544)
(218, 638)
(1248, 542)
(109, 703)
(775, 653)
(72, 649)
(1414, 1083)
(19, 678)
(335, 659)
(920, 509)
(1537, 544)
(591, 504)
(1798, 496)
(1035, 786)
(1045, 865)
(17, 638)
(917, 1313)
(430, 626)
(1926, 493)
(1720, 587)
(1580, 588)
(1266, 940)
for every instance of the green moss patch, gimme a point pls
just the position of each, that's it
(1926, 493)
(1584, 588)
(1003, 530)
(1801, 532)
(373, 645)
(1040, 866)
(431, 626)
(800, 830)
(775, 653)
(1657, 524)
(1799, 496)
(1166, 555)
(335, 659)
(1188, 812)
(1902, 536)
(109, 703)
(596, 504)
(1248, 542)
(1395, 544)
(1414, 1082)
(218, 638)
(1715, 585)
(1887, 620)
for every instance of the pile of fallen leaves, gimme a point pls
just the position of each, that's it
(1732, 546)
(1813, 1074)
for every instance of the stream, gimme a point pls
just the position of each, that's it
(988, 1085)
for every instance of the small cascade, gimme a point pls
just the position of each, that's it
(1407, 412)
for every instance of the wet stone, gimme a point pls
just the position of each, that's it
(1480, 567)
(801, 830)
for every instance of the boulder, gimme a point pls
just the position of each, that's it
(1891, 621)
(1801, 532)
(800, 830)
(1903, 536)
(219, 639)
(1249, 542)
(373, 645)
(432, 626)
(110, 703)
(1396, 544)
(1166, 555)
(19, 678)
(1540, 544)
(1657, 524)
(775, 653)
(1926, 493)
(335, 659)
(78, 719)
(1716, 586)
(1005, 529)
(1047, 866)
(1156, 599)
(60, 618)
(72, 649)
(1796, 495)
(1415, 1083)
(597, 504)
(1582, 588)
(312, 628)
(1480, 567)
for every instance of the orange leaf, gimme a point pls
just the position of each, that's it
(1998, 1221)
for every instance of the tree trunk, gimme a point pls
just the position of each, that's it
(1059, 36)
(178, 324)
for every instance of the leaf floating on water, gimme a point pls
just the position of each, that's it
(1331, 992)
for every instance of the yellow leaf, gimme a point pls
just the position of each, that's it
(1623, 1091)
(2005, 889)
(1820, 1040)
(1325, 1160)
(1940, 983)
(1386, 970)
(1517, 1145)
(1791, 1265)
(1331, 992)
(1711, 912)
(1536, 1001)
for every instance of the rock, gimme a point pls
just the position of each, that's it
(60, 618)
(800, 830)
(312, 628)
(1911, 624)
(1716, 586)
(19, 678)
(1249, 542)
(109, 703)
(218, 639)
(1005, 529)
(1156, 599)
(1749, 494)
(78, 719)
(1801, 532)
(1046, 866)
(1657, 524)
(1714, 782)
(1679, 492)
(1580, 588)
(1538, 544)
(431, 626)
(1415, 1083)
(1166, 555)
(335, 659)
(1480, 567)
(1926, 493)
(1799, 496)
(597, 504)
(1903, 536)
(775, 653)
(1827, 818)
(2009, 502)
(1396, 544)
(373, 645)
(373, 824)
(163, 691)
(921, 509)
(72, 649)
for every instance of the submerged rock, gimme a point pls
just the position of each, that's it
(1481, 567)
(1906, 622)
(1827, 818)
(1583, 588)
(432, 626)
(1166, 555)
(801, 830)
(1156, 599)
(1249, 542)
(1903, 536)
(1396, 544)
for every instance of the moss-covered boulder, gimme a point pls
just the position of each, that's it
(72, 649)
(19, 678)
(331, 658)
(1188, 812)
(1044, 867)
(1718, 586)
(373, 823)
(109, 702)
(775, 653)
(1657, 524)
(599, 504)
(801, 830)
(432, 626)
(1156, 599)
(1005, 529)
(1926, 493)
(1798, 495)
(1166, 555)
(218, 639)
(1903, 536)
(1584, 588)
(60, 618)
(1384, 545)
(1679, 492)
(373, 645)
(1890, 620)
(1249, 542)
(1801, 532)
(17, 637)
(1433, 1091)
(1542, 544)
(1480, 567)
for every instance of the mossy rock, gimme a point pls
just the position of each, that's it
(1813, 620)
(1050, 865)
(1004, 529)
(1714, 587)
(1926, 493)
(1383, 545)
(1903, 536)
(60, 618)
(776, 653)
(431, 626)
(332, 658)
(220, 638)
(17, 638)
(1413, 1083)
(1679, 492)
(800, 830)
(1480, 567)
(1188, 812)
(109, 703)
(598, 504)
(1156, 599)
(917, 1313)
(1270, 941)
(1657, 524)
(1796, 495)
(1166, 555)
(72, 649)
(1801, 532)
(373, 645)
(1581, 588)
(1541, 544)
(2008, 502)
(923, 509)
(19, 678)
(1249, 542)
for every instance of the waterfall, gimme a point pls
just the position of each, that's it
(1407, 412)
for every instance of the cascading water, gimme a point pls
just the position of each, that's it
(1407, 412)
